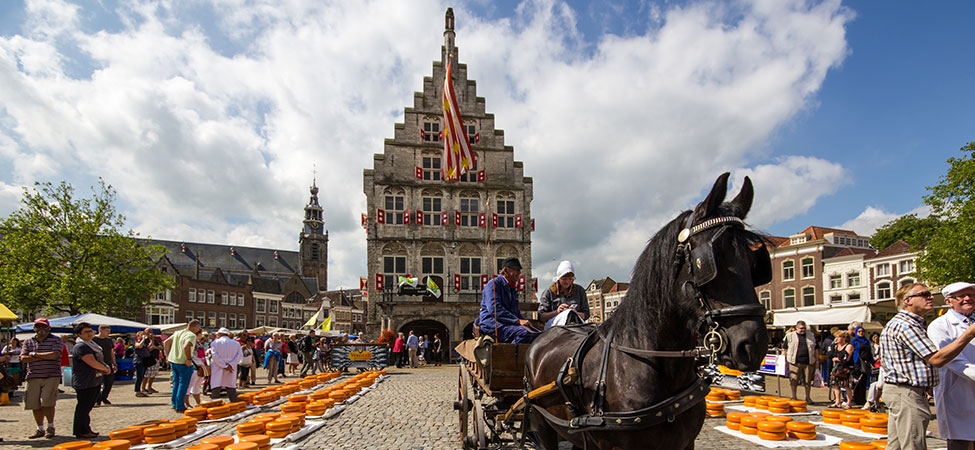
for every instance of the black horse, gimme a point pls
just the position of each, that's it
(694, 281)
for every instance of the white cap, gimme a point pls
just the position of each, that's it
(954, 288)
(564, 268)
(224, 331)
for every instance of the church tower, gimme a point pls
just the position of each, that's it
(313, 241)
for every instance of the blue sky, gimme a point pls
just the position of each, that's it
(207, 116)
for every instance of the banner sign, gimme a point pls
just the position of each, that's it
(774, 365)
(359, 356)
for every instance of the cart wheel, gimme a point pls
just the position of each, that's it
(480, 426)
(462, 406)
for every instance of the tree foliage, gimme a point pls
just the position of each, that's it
(949, 254)
(910, 228)
(65, 254)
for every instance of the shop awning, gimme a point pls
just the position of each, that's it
(6, 314)
(65, 324)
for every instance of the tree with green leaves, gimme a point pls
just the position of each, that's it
(910, 228)
(64, 254)
(949, 254)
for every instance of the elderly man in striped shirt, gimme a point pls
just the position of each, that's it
(909, 366)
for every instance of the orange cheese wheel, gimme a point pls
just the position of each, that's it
(298, 398)
(768, 436)
(803, 436)
(262, 440)
(219, 441)
(179, 425)
(771, 427)
(798, 409)
(853, 445)
(852, 424)
(114, 444)
(876, 430)
(219, 410)
(778, 403)
(781, 419)
(748, 430)
(713, 413)
(190, 421)
(714, 397)
(292, 407)
(73, 445)
(801, 403)
(732, 425)
(277, 434)
(831, 413)
(211, 404)
(279, 426)
(160, 439)
(261, 420)
(802, 427)
(126, 433)
(250, 428)
(242, 446)
(873, 422)
(759, 414)
(315, 410)
(877, 416)
(850, 417)
(271, 415)
(735, 416)
(880, 443)
(749, 401)
(750, 421)
(202, 447)
(832, 421)
(162, 429)
(776, 410)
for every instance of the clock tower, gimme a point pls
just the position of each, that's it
(313, 241)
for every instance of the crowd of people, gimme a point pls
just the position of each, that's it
(416, 351)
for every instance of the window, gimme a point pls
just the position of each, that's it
(431, 131)
(883, 270)
(209, 296)
(393, 266)
(213, 319)
(432, 264)
(835, 281)
(272, 321)
(906, 266)
(789, 298)
(788, 270)
(189, 316)
(470, 274)
(160, 315)
(202, 317)
(431, 168)
(471, 134)
(765, 298)
(224, 298)
(431, 211)
(853, 279)
(232, 322)
(853, 297)
(905, 282)
(835, 298)
(258, 321)
(240, 299)
(469, 209)
(506, 213)
(242, 321)
(883, 290)
(260, 305)
(223, 319)
(807, 268)
(394, 209)
(192, 296)
(471, 175)
(272, 306)
(808, 296)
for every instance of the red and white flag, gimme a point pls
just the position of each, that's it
(419, 217)
(457, 218)
(380, 216)
(363, 283)
(406, 217)
(444, 218)
(419, 172)
(456, 282)
(517, 220)
(481, 221)
(379, 281)
(480, 176)
(494, 220)
(457, 148)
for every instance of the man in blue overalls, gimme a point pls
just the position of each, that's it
(500, 316)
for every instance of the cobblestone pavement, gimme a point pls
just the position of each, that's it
(411, 410)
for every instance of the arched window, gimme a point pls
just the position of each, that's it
(883, 290)
(765, 297)
(808, 296)
(789, 298)
(808, 271)
(788, 270)
(394, 202)
(432, 202)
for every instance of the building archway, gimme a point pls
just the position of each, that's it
(428, 328)
(469, 331)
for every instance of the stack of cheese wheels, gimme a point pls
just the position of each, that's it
(114, 444)
(160, 433)
(733, 420)
(179, 428)
(198, 413)
(779, 406)
(832, 416)
(279, 428)
(853, 445)
(293, 407)
(798, 406)
(242, 446)
(749, 424)
(771, 430)
(263, 441)
(730, 394)
(315, 409)
(308, 384)
(293, 421)
(874, 423)
(73, 445)
(190, 424)
(851, 417)
(237, 407)
(880, 443)
(297, 415)
(761, 403)
(265, 398)
(218, 412)
(219, 441)
(318, 395)
(202, 447)
(749, 401)
(801, 430)
(298, 398)
(250, 427)
(131, 434)
(715, 395)
(714, 409)
(247, 398)
(211, 403)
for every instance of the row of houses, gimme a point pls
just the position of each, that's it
(825, 276)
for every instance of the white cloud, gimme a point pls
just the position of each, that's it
(207, 144)
(872, 218)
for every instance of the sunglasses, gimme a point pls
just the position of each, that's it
(924, 294)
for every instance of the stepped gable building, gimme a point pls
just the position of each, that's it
(244, 287)
(452, 232)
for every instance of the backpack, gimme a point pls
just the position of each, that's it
(307, 345)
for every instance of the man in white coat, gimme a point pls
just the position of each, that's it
(225, 355)
(954, 397)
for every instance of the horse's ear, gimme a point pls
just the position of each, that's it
(710, 204)
(743, 201)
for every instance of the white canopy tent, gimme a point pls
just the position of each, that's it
(836, 314)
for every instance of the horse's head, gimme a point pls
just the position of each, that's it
(724, 263)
